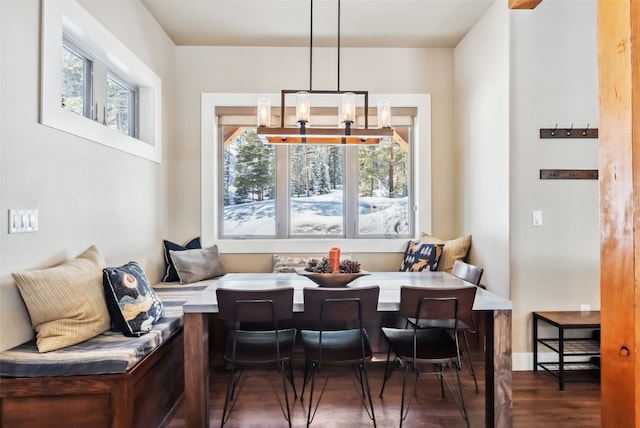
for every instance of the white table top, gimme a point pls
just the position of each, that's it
(389, 282)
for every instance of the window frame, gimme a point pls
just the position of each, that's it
(70, 20)
(210, 164)
(87, 70)
(350, 227)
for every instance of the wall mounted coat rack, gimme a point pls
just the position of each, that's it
(568, 174)
(569, 132)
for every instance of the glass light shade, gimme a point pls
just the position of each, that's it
(384, 114)
(348, 108)
(264, 112)
(303, 107)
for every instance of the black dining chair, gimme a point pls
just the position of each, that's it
(466, 317)
(472, 274)
(338, 338)
(255, 339)
(415, 347)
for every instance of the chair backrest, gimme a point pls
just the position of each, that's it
(411, 307)
(333, 306)
(467, 272)
(255, 306)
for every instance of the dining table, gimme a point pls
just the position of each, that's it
(494, 310)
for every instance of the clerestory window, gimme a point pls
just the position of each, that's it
(94, 87)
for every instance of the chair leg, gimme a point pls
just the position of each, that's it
(388, 369)
(312, 378)
(305, 379)
(289, 367)
(366, 392)
(285, 371)
(469, 362)
(403, 411)
(234, 378)
(463, 408)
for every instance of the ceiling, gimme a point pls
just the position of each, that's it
(286, 23)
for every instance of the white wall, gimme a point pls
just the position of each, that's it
(554, 75)
(548, 59)
(482, 143)
(268, 70)
(86, 193)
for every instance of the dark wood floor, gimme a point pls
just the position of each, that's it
(537, 402)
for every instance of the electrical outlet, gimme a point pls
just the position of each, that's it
(585, 308)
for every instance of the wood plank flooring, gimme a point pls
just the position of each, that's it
(537, 401)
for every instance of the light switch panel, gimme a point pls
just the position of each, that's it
(537, 218)
(22, 221)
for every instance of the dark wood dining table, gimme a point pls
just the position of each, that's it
(495, 309)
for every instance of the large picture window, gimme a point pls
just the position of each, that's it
(327, 190)
(308, 198)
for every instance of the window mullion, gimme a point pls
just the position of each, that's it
(350, 168)
(100, 92)
(282, 192)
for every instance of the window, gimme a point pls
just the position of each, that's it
(325, 190)
(226, 120)
(384, 188)
(76, 80)
(94, 87)
(248, 185)
(121, 105)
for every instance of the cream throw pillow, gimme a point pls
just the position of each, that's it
(66, 303)
(454, 249)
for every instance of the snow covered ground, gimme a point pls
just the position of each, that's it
(319, 215)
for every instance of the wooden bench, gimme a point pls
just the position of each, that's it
(145, 395)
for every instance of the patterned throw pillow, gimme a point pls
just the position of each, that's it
(419, 257)
(171, 275)
(133, 304)
(66, 302)
(288, 264)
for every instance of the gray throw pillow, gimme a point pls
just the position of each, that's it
(197, 264)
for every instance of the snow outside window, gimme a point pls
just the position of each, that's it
(329, 191)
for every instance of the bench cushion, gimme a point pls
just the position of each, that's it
(110, 352)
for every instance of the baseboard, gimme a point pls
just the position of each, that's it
(522, 361)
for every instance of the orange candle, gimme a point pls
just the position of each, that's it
(334, 259)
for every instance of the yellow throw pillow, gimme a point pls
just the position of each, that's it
(454, 249)
(66, 303)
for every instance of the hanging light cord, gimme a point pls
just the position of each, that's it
(311, 47)
(311, 50)
(339, 45)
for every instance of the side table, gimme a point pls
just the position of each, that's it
(567, 347)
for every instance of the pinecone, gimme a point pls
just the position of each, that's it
(318, 266)
(349, 266)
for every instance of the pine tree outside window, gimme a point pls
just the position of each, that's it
(314, 191)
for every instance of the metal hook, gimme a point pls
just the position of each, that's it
(569, 130)
(553, 131)
(584, 133)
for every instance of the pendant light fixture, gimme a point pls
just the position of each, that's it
(304, 133)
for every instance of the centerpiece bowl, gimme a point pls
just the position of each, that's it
(333, 280)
